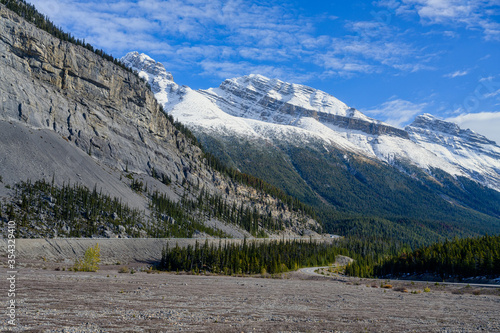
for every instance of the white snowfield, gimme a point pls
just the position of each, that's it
(256, 107)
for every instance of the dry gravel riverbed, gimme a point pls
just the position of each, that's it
(108, 301)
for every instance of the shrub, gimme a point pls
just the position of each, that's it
(124, 269)
(90, 261)
(427, 289)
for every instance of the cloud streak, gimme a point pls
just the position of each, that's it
(486, 123)
(456, 74)
(396, 112)
(473, 14)
(238, 34)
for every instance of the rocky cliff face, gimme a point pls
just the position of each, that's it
(475, 155)
(104, 110)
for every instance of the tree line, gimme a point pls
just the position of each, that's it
(73, 210)
(75, 206)
(457, 258)
(465, 257)
(207, 206)
(279, 256)
(248, 257)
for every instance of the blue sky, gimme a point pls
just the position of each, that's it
(390, 59)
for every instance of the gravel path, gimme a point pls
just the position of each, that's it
(107, 301)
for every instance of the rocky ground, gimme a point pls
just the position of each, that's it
(51, 300)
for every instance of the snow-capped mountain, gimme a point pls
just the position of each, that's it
(161, 81)
(257, 97)
(254, 107)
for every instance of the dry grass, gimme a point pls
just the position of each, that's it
(124, 269)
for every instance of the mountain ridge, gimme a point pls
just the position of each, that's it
(358, 178)
(250, 104)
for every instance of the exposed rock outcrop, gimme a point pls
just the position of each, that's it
(107, 112)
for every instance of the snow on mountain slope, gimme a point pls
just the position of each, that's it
(161, 82)
(256, 107)
(271, 100)
(473, 153)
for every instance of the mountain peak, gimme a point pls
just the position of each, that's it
(146, 66)
(255, 80)
(258, 97)
(428, 122)
(257, 107)
(155, 74)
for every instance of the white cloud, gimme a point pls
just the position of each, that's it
(396, 112)
(370, 29)
(194, 33)
(347, 56)
(456, 74)
(336, 64)
(473, 14)
(485, 123)
(225, 69)
(492, 94)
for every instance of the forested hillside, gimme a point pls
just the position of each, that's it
(459, 258)
(357, 197)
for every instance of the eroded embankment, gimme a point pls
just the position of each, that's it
(123, 250)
